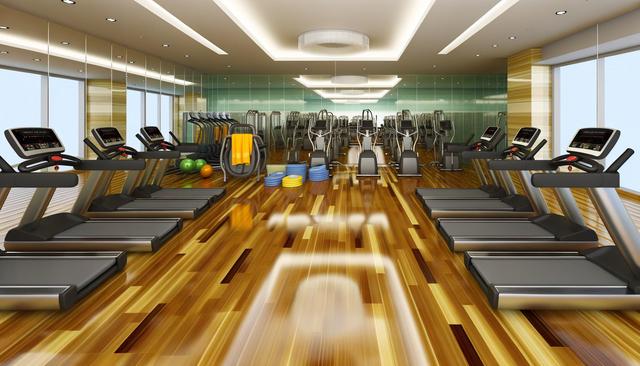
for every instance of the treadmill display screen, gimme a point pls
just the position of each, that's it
(152, 133)
(35, 141)
(445, 125)
(406, 124)
(489, 133)
(321, 125)
(593, 141)
(526, 136)
(108, 136)
(367, 125)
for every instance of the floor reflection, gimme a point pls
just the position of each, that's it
(346, 309)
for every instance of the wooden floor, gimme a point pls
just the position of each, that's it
(341, 272)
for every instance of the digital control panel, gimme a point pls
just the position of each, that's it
(30, 142)
(152, 133)
(108, 137)
(489, 133)
(595, 142)
(526, 136)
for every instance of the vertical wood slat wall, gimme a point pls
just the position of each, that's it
(529, 96)
(106, 107)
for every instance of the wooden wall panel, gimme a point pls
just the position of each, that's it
(106, 106)
(529, 97)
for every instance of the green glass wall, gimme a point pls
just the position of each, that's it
(471, 101)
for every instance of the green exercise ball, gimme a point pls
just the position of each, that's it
(187, 165)
(200, 163)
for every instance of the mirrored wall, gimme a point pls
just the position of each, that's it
(471, 101)
(52, 75)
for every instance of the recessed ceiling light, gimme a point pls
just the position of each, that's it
(36, 60)
(4, 52)
(306, 69)
(119, 56)
(112, 20)
(512, 37)
(132, 62)
(477, 55)
(479, 24)
(561, 12)
(165, 15)
(80, 71)
(69, 2)
(434, 66)
(165, 45)
(494, 45)
(65, 43)
(4, 27)
(364, 69)
(228, 66)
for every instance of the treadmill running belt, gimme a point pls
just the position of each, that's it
(118, 229)
(516, 230)
(545, 271)
(163, 205)
(451, 193)
(51, 271)
(467, 205)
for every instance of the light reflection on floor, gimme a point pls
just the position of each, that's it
(329, 309)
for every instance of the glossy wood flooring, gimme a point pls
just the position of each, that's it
(345, 272)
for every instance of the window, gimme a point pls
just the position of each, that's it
(135, 109)
(166, 115)
(20, 105)
(152, 108)
(621, 80)
(66, 113)
(576, 101)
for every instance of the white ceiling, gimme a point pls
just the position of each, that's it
(532, 21)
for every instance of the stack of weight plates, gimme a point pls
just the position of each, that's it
(318, 173)
(297, 169)
(274, 180)
(292, 181)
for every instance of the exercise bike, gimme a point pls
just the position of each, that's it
(368, 130)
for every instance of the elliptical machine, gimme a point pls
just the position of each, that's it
(407, 131)
(320, 135)
(368, 130)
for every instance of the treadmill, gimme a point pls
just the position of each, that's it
(543, 232)
(97, 202)
(512, 205)
(51, 280)
(72, 231)
(153, 140)
(483, 150)
(604, 278)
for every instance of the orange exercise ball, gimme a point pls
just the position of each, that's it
(206, 171)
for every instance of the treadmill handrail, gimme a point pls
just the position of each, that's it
(111, 165)
(38, 180)
(576, 180)
(480, 155)
(158, 154)
(521, 165)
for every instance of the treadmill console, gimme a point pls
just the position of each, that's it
(320, 125)
(445, 125)
(406, 124)
(596, 143)
(366, 124)
(152, 134)
(32, 142)
(108, 137)
(526, 137)
(489, 133)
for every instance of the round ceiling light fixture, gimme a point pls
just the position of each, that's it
(349, 79)
(351, 92)
(333, 42)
